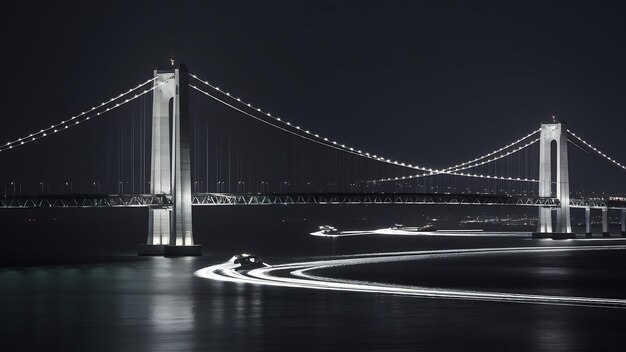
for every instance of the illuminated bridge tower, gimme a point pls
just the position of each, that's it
(170, 227)
(553, 140)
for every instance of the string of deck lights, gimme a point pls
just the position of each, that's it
(302, 133)
(455, 171)
(615, 162)
(82, 117)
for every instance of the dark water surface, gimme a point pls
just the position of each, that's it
(127, 303)
(157, 304)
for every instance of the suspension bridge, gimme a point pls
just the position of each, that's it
(172, 193)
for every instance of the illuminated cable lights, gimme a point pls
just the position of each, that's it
(65, 124)
(494, 152)
(324, 143)
(297, 130)
(303, 133)
(455, 172)
(613, 161)
(496, 158)
(452, 173)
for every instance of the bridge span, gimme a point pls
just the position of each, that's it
(164, 201)
(170, 196)
(234, 199)
(317, 198)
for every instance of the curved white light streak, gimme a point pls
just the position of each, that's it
(65, 124)
(598, 151)
(300, 278)
(341, 233)
(412, 231)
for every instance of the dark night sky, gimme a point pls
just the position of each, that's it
(399, 78)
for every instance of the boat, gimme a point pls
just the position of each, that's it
(426, 228)
(328, 230)
(248, 262)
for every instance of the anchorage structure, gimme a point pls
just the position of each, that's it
(170, 226)
(554, 133)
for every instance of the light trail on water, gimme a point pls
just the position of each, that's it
(298, 275)
(413, 231)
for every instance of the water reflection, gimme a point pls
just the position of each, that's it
(552, 331)
(171, 307)
(158, 305)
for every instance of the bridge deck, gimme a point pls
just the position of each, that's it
(231, 199)
(224, 199)
(369, 198)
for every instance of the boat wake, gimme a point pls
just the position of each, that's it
(300, 275)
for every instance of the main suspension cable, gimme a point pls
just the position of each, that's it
(455, 171)
(497, 151)
(606, 157)
(82, 117)
(296, 130)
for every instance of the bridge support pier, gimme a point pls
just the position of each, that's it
(588, 222)
(623, 222)
(554, 133)
(170, 227)
(158, 232)
(605, 222)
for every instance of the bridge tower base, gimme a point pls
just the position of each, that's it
(170, 226)
(170, 251)
(554, 132)
(553, 235)
(158, 231)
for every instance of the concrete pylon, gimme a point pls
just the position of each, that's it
(170, 226)
(554, 132)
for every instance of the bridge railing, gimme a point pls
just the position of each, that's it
(85, 201)
(597, 203)
(369, 198)
(221, 199)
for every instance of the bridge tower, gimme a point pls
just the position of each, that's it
(554, 134)
(170, 226)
